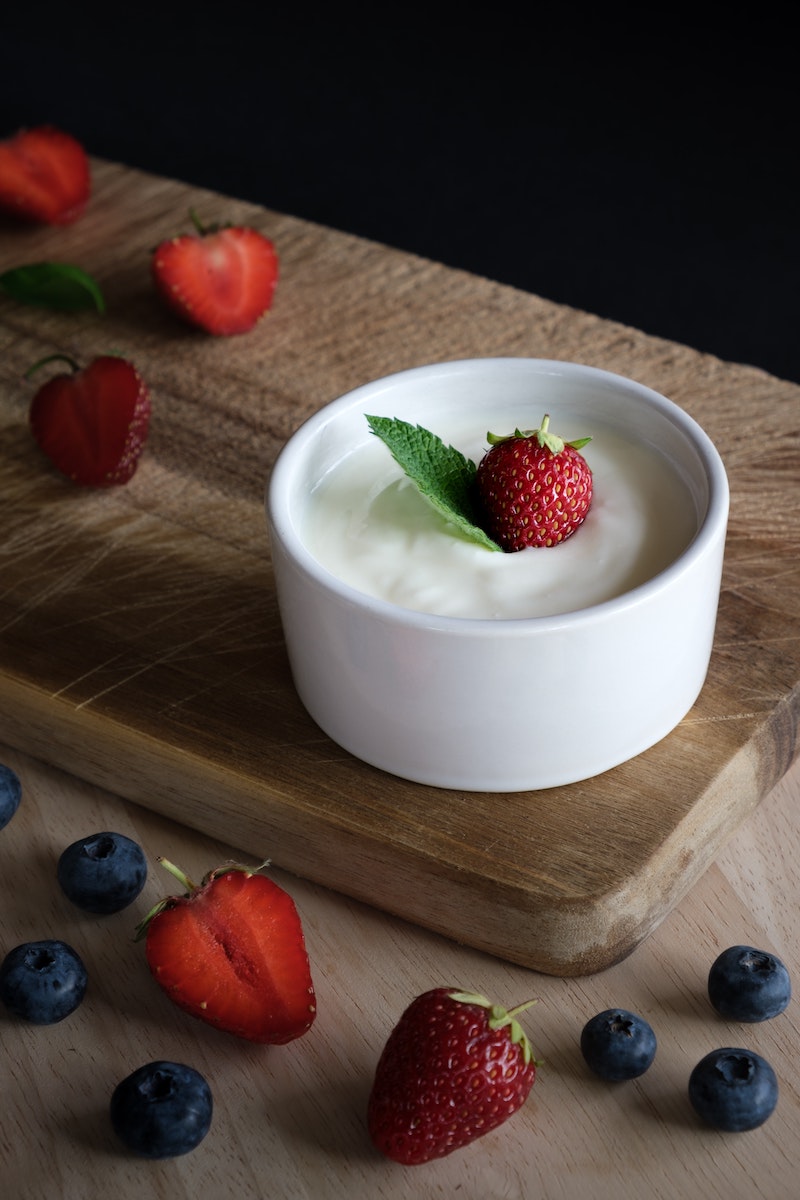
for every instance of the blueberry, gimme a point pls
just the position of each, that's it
(745, 984)
(10, 794)
(618, 1044)
(162, 1110)
(733, 1089)
(42, 982)
(103, 873)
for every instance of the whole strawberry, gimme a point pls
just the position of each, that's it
(221, 278)
(231, 952)
(454, 1067)
(92, 422)
(535, 489)
(44, 176)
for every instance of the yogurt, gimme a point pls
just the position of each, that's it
(368, 525)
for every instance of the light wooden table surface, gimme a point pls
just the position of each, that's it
(289, 1121)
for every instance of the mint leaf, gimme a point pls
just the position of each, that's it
(441, 473)
(53, 285)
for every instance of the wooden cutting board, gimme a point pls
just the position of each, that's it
(140, 644)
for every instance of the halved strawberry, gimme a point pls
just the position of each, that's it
(92, 423)
(231, 952)
(44, 175)
(221, 278)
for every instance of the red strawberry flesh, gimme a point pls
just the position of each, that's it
(232, 953)
(222, 281)
(44, 176)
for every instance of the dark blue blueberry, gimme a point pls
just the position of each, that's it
(162, 1110)
(42, 982)
(745, 984)
(733, 1089)
(103, 873)
(617, 1044)
(10, 794)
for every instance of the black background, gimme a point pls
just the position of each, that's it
(642, 167)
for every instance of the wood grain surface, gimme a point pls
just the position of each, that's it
(140, 645)
(289, 1121)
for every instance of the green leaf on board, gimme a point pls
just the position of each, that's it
(60, 286)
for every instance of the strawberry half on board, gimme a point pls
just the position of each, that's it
(454, 1067)
(535, 489)
(221, 278)
(92, 422)
(44, 176)
(231, 952)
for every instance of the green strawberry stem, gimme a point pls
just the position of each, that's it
(49, 359)
(203, 228)
(185, 882)
(552, 441)
(181, 876)
(189, 886)
(501, 1018)
(65, 358)
(198, 224)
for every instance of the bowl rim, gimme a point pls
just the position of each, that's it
(281, 525)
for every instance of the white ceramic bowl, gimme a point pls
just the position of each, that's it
(488, 704)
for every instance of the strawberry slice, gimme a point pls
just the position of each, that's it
(231, 952)
(44, 176)
(92, 423)
(221, 278)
